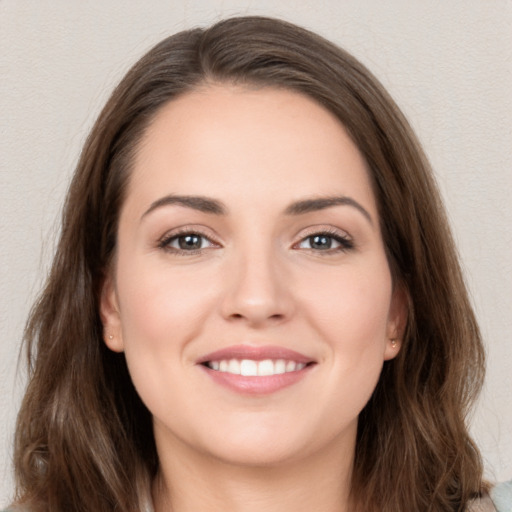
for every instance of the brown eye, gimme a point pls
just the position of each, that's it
(186, 242)
(190, 242)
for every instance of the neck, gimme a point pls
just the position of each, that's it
(191, 481)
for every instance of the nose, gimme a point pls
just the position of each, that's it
(258, 292)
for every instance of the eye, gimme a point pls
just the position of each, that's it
(325, 242)
(186, 242)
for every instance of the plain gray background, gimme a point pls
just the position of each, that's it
(447, 64)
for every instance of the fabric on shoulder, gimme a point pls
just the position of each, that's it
(501, 495)
(483, 504)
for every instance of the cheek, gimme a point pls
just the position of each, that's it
(351, 314)
(159, 308)
(161, 313)
(352, 306)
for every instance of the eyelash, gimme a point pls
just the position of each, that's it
(166, 240)
(345, 243)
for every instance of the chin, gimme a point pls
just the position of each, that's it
(258, 454)
(272, 441)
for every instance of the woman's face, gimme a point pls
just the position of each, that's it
(251, 292)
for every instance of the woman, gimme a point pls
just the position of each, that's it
(255, 301)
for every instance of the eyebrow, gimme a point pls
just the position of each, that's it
(200, 203)
(321, 203)
(215, 207)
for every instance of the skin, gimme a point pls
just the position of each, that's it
(256, 280)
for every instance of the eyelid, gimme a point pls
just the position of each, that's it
(325, 229)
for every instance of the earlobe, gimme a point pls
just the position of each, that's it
(392, 348)
(397, 321)
(110, 317)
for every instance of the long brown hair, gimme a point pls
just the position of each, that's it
(84, 439)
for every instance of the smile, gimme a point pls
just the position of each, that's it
(252, 368)
(256, 370)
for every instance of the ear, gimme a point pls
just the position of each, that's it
(110, 317)
(397, 321)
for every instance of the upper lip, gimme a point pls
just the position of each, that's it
(256, 353)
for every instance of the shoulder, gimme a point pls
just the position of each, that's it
(483, 504)
(501, 496)
(498, 500)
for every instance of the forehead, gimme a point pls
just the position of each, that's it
(248, 142)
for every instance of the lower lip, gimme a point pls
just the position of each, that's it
(257, 385)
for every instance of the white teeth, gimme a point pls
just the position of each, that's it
(290, 366)
(265, 367)
(280, 366)
(234, 367)
(251, 368)
(248, 368)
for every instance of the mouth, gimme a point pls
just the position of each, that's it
(252, 368)
(256, 370)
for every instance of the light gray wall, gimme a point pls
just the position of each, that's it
(448, 64)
